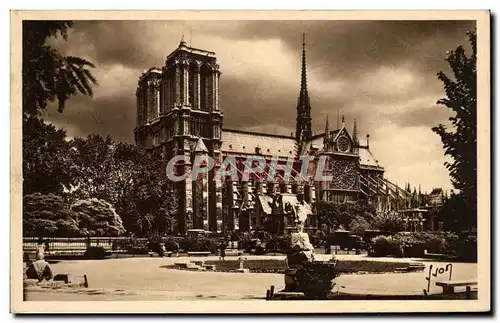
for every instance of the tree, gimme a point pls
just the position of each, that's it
(359, 225)
(93, 163)
(460, 142)
(46, 166)
(47, 75)
(48, 215)
(389, 221)
(97, 218)
(342, 215)
(130, 178)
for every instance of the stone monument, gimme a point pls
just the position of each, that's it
(303, 273)
(241, 260)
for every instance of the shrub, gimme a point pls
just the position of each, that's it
(136, 246)
(95, 253)
(316, 241)
(414, 244)
(48, 215)
(358, 226)
(172, 244)
(433, 242)
(278, 243)
(467, 249)
(199, 244)
(388, 221)
(97, 218)
(316, 280)
(463, 247)
(382, 246)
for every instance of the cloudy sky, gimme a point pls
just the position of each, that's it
(381, 73)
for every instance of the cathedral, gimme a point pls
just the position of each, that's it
(179, 113)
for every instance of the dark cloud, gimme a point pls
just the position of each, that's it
(349, 51)
(427, 117)
(105, 116)
(347, 48)
(117, 42)
(381, 73)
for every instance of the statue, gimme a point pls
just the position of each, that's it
(304, 274)
(241, 269)
(240, 262)
(300, 240)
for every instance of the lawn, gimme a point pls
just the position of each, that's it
(279, 265)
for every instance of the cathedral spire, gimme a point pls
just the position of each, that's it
(182, 42)
(303, 78)
(355, 133)
(303, 130)
(327, 131)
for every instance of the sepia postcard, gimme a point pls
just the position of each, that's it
(250, 161)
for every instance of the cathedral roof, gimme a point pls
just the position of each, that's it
(255, 143)
(366, 157)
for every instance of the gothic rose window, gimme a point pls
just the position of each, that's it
(344, 173)
(343, 144)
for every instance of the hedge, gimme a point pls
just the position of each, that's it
(414, 244)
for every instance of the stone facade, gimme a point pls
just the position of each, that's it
(179, 113)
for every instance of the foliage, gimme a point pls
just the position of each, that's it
(340, 215)
(460, 142)
(278, 243)
(358, 225)
(388, 221)
(95, 253)
(414, 244)
(46, 74)
(46, 166)
(462, 246)
(456, 214)
(382, 246)
(200, 243)
(47, 216)
(97, 218)
(171, 244)
(130, 178)
(316, 279)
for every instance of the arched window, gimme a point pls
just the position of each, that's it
(205, 87)
(191, 84)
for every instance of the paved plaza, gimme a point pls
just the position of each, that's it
(143, 279)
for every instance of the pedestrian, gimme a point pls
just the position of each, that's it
(222, 250)
(47, 246)
(40, 252)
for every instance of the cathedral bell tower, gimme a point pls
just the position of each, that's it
(179, 106)
(303, 131)
(191, 86)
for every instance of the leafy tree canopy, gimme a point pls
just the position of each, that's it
(46, 164)
(97, 218)
(460, 141)
(48, 215)
(47, 75)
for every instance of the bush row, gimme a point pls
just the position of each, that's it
(254, 243)
(414, 245)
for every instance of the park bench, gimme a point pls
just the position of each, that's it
(198, 253)
(232, 252)
(449, 286)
